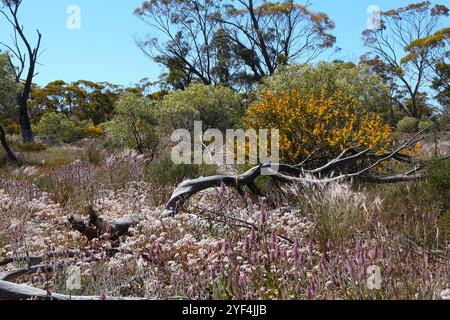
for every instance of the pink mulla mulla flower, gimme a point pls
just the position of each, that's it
(274, 237)
(255, 258)
(247, 243)
(242, 280)
(276, 252)
(361, 259)
(253, 235)
(283, 253)
(102, 296)
(301, 258)
(295, 251)
(363, 272)
(376, 252)
(225, 246)
(183, 276)
(383, 253)
(262, 217)
(222, 188)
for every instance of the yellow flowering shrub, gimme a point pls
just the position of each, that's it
(332, 123)
(91, 130)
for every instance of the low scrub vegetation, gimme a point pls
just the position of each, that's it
(317, 244)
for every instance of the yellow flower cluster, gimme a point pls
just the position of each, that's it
(332, 123)
(92, 130)
(13, 128)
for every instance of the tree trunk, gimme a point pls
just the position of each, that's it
(392, 116)
(414, 112)
(5, 145)
(24, 120)
(262, 41)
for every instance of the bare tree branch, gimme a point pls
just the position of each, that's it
(297, 174)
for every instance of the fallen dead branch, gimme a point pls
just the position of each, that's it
(344, 164)
(14, 291)
(96, 227)
(33, 260)
(69, 253)
(12, 275)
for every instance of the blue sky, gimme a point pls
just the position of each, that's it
(104, 50)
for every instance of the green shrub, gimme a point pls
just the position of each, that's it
(407, 124)
(424, 123)
(218, 107)
(438, 177)
(369, 90)
(135, 124)
(65, 129)
(164, 172)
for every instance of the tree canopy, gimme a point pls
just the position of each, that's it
(218, 107)
(368, 89)
(232, 43)
(394, 54)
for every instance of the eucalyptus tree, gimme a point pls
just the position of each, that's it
(393, 55)
(231, 42)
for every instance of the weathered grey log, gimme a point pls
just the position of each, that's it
(190, 187)
(13, 291)
(69, 253)
(14, 274)
(33, 260)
